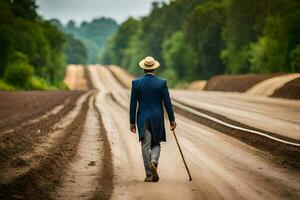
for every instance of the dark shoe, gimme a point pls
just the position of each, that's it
(154, 173)
(148, 179)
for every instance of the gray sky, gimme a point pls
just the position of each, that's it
(80, 10)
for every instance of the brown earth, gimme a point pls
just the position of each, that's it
(84, 150)
(38, 182)
(121, 75)
(284, 155)
(235, 83)
(21, 137)
(17, 107)
(291, 90)
(221, 166)
(38, 149)
(197, 85)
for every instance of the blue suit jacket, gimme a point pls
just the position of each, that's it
(150, 93)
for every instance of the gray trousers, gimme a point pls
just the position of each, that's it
(150, 150)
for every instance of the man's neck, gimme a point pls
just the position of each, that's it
(150, 73)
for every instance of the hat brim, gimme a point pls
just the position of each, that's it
(142, 65)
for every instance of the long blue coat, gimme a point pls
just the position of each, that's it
(150, 93)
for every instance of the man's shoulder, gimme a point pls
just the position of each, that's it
(155, 78)
(137, 79)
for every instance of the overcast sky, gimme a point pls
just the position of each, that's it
(80, 10)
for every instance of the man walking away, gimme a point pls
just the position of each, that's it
(151, 93)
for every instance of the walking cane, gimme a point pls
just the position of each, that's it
(186, 167)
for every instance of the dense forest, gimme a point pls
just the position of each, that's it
(87, 39)
(31, 49)
(196, 39)
(34, 52)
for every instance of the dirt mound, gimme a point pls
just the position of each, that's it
(197, 85)
(235, 83)
(267, 87)
(291, 90)
(75, 78)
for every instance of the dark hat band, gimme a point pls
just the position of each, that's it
(149, 65)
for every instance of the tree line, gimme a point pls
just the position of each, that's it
(87, 39)
(34, 52)
(31, 48)
(197, 39)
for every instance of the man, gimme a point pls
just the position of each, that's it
(151, 93)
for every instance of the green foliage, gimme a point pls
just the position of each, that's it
(179, 56)
(6, 86)
(20, 75)
(37, 83)
(25, 34)
(75, 51)
(125, 47)
(276, 49)
(92, 35)
(197, 39)
(203, 31)
(19, 72)
(136, 39)
(243, 26)
(171, 76)
(295, 59)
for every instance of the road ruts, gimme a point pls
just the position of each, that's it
(222, 167)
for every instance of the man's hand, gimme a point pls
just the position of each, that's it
(173, 125)
(133, 128)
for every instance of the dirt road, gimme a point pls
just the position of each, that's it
(84, 149)
(222, 167)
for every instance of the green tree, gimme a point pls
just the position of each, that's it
(75, 51)
(245, 20)
(92, 34)
(19, 72)
(124, 48)
(24, 33)
(203, 31)
(272, 52)
(295, 59)
(179, 56)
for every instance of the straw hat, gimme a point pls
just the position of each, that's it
(149, 63)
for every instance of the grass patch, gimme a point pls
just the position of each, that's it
(34, 83)
(6, 86)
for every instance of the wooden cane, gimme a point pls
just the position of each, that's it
(186, 167)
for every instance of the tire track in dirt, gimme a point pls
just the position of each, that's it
(285, 154)
(22, 138)
(48, 114)
(22, 106)
(222, 167)
(87, 175)
(105, 179)
(38, 181)
(41, 148)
